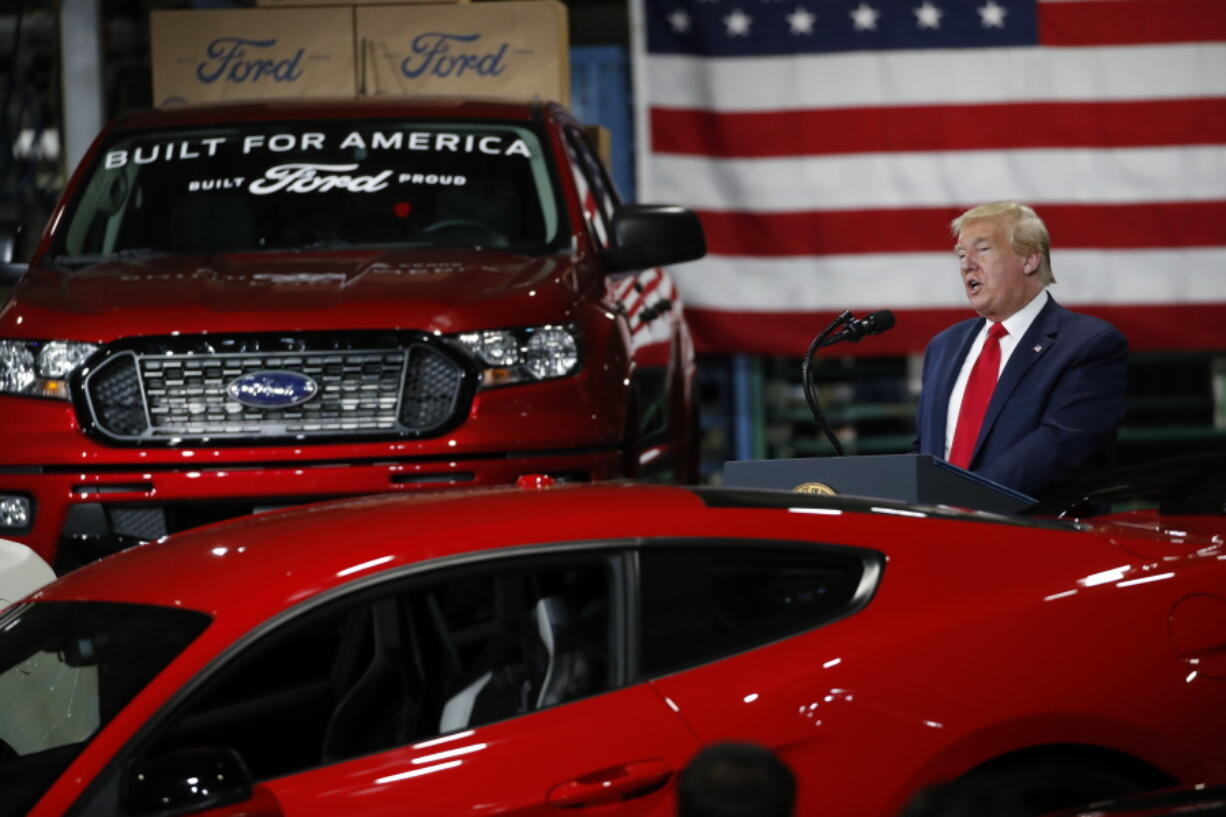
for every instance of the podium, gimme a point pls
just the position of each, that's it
(919, 478)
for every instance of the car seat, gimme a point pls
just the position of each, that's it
(378, 703)
(568, 668)
(497, 683)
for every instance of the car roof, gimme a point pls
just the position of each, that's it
(270, 560)
(424, 107)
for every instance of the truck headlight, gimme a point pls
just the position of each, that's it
(523, 355)
(40, 368)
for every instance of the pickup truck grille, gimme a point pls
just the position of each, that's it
(171, 390)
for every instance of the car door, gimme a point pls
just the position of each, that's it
(617, 751)
(492, 686)
(740, 635)
(647, 299)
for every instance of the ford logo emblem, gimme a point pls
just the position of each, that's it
(272, 389)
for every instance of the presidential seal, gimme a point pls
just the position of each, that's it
(814, 488)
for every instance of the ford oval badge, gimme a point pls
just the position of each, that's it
(272, 390)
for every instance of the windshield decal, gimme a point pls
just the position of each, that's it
(440, 142)
(487, 144)
(148, 154)
(304, 177)
(309, 178)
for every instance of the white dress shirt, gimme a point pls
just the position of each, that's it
(1016, 325)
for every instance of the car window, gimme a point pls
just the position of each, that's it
(408, 662)
(596, 192)
(66, 669)
(703, 600)
(290, 185)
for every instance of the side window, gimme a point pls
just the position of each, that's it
(705, 600)
(595, 190)
(461, 648)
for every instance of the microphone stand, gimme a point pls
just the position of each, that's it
(807, 380)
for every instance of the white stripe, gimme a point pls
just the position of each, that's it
(937, 77)
(943, 178)
(931, 281)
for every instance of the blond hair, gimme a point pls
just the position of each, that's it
(1027, 232)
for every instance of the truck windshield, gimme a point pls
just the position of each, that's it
(310, 185)
(66, 669)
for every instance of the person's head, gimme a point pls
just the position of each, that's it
(965, 798)
(1004, 255)
(735, 780)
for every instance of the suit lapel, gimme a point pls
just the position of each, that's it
(1035, 343)
(945, 375)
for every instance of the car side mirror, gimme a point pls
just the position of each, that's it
(186, 781)
(653, 235)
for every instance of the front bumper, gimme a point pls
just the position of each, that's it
(80, 515)
(89, 499)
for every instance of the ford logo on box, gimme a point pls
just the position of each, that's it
(272, 389)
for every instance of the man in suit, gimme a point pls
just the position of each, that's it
(1028, 394)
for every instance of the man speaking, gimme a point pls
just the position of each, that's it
(1028, 394)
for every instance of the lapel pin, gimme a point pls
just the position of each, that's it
(1038, 349)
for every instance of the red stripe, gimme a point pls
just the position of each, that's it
(939, 127)
(1185, 327)
(1128, 22)
(838, 232)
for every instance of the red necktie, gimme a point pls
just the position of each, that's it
(975, 399)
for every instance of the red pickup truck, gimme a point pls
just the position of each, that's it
(246, 306)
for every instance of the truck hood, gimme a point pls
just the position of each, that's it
(433, 290)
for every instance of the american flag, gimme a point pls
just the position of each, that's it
(826, 144)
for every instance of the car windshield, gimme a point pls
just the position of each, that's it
(66, 669)
(311, 185)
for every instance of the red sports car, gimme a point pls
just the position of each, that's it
(535, 649)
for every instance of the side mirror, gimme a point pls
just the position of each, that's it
(186, 781)
(653, 235)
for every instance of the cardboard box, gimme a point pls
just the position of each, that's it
(207, 55)
(285, 3)
(516, 49)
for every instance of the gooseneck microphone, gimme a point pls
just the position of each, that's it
(857, 328)
(852, 330)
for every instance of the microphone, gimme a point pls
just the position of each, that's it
(855, 329)
(852, 330)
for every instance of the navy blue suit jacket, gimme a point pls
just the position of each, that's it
(1057, 404)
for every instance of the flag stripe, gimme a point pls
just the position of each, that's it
(1143, 21)
(929, 127)
(927, 280)
(1115, 226)
(945, 77)
(949, 178)
(788, 333)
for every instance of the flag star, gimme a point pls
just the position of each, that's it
(928, 16)
(679, 20)
(992, 15)
(864, 17)
(738, 23)
(801, 21)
